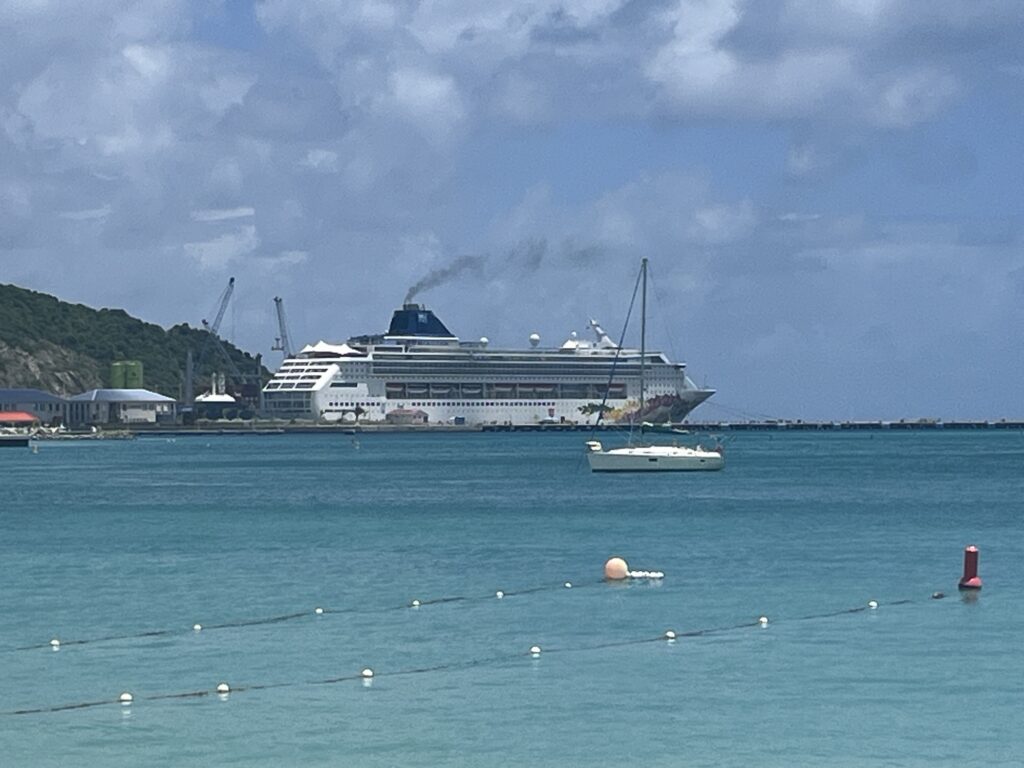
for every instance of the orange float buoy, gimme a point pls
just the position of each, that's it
(616, 569)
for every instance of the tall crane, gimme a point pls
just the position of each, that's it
(211, 338)
(222, 307)
(283, 342)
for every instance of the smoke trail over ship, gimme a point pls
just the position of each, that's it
(442, 275)
(526, 257)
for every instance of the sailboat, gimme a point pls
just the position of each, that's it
(641, 456)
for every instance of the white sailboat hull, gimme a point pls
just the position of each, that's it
(654, 458)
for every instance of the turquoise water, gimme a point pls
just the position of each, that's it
(114, 539)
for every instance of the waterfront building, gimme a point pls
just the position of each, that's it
(119, 406)
(46, 407)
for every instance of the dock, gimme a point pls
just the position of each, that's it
(271, 428)
(774, 426)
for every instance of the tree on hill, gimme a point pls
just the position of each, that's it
(55, 345)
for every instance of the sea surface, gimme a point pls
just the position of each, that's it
(107, 542)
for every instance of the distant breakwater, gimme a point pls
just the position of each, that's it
(257, 428)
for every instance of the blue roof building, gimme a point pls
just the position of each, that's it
(46, 407)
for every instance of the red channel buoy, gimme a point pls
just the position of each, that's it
(970, 579)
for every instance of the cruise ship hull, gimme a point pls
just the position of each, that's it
(419, 373)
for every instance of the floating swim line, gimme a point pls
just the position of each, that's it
(535, 652)
(57, 643)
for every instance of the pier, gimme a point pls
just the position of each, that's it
(771, 426)
(268, 428)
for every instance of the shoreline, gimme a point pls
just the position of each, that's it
(132, 431)
(257, 428)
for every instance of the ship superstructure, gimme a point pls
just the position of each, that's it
(419, 371)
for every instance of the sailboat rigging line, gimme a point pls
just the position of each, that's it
(749, 415)
(662, 312)
(643, 350)
(618, 352)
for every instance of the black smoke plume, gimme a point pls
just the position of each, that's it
(441, 275)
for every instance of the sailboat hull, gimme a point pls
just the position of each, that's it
(655, 458)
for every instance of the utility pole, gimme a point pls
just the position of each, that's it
(189, 379)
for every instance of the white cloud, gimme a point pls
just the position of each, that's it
(131, 140)
(723, 223)
(225, 90)
(86, 215)
(915, 96)
(283, 259)
(323, 160)
(431, 101)
(694, 61)
(806, 159)
(799, 217)
(151, 62)
(223, 214)
(219, 252)
(15, 200)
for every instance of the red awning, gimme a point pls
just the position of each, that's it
(17, 417)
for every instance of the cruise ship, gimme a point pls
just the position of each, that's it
(419, 372)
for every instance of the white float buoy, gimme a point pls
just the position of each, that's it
(55, 643)
(670, 635)
(568, 585)
(763, 621)
(535, 651)
(318, 611)
(126, 698)
(415, 603)
(657, 574)
(645, 575)
(872, 604)
(499, 594)
(366, 674)
(197, 627)
(223, 688)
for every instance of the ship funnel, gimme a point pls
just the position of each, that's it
(417, 320)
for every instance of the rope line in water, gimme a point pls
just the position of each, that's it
(535, 653)
(263, 621)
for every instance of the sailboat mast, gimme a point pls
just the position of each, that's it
(643, 338)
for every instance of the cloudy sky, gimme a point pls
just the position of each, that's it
(829, 190)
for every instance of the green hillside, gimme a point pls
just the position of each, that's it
(68, 348)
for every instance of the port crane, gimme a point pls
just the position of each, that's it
(283, 342)
(213, 340)
(222, 307)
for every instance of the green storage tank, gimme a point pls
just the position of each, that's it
(117, 375)
(133, 374)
